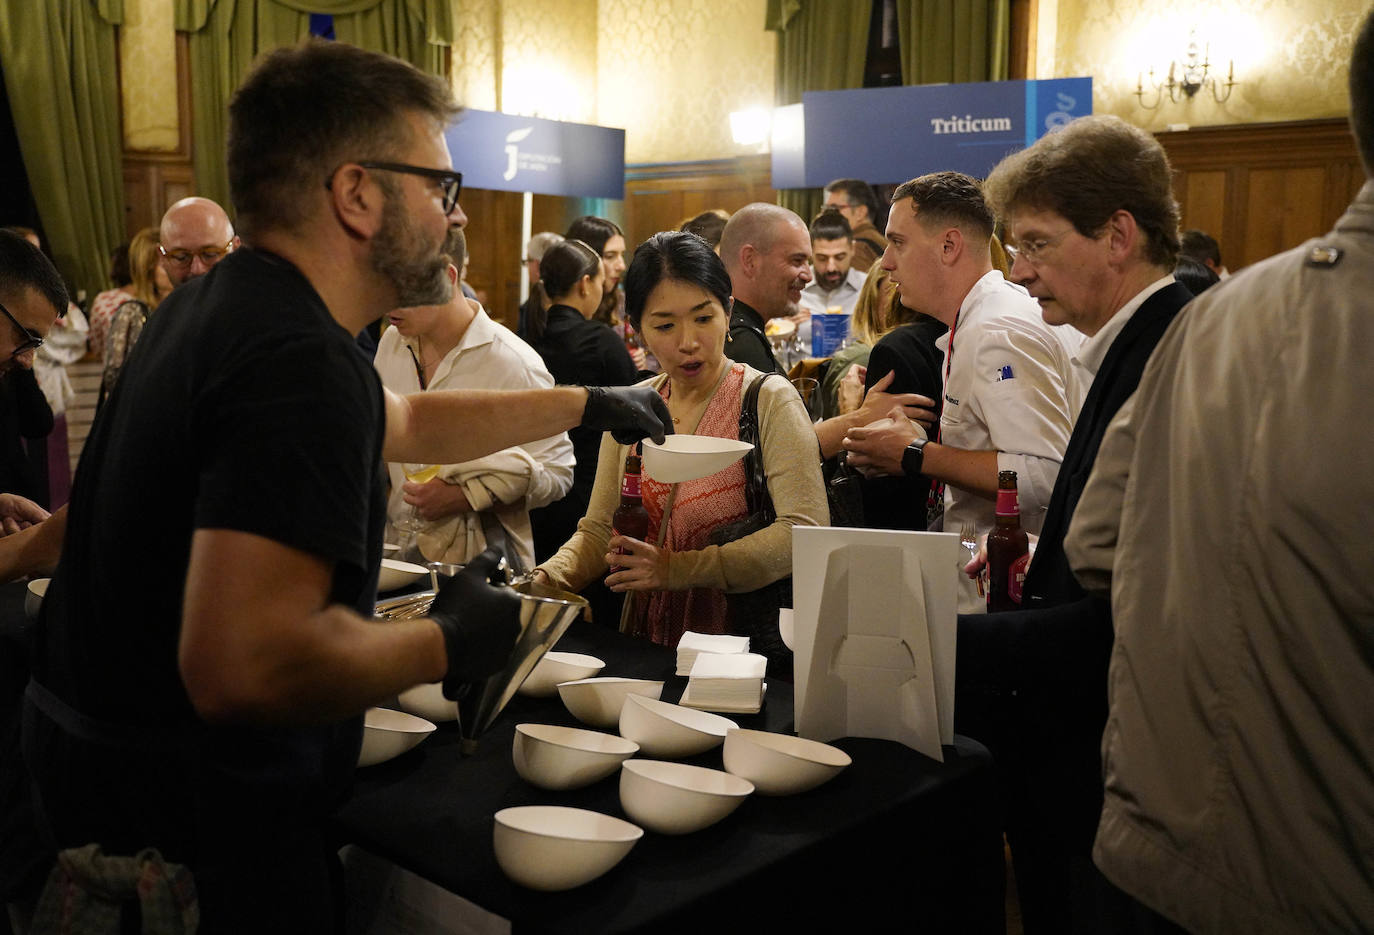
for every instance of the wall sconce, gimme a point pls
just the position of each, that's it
(1192, 77)
(751, 127)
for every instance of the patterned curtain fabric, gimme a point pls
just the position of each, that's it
(822, 46)
(954, 40)
(59, 62)
(227, 35)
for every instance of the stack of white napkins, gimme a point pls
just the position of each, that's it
(693, 643)
(726, 682)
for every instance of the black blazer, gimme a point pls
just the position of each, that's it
(1010, 648)
(1050, 580)
(1035, 679)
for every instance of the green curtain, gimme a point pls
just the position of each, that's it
(822, 46)
(227, 35)
(59, 62)
(954, 40)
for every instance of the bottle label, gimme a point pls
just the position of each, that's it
(1007, 504)
(629, 487)
(1016, 577)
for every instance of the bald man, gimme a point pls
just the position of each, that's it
(195, 235)
(767, 252)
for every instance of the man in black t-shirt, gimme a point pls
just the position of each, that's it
(767, 252)
(207, 650)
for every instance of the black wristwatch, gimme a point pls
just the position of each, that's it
(913, 456)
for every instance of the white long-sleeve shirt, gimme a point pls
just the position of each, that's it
(489, 357)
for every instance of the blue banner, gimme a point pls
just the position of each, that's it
(529, 154)
(889, 135)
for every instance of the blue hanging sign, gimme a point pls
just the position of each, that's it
(529, 154)
(887, 135)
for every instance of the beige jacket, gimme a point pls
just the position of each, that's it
(1239, 751)
(791, 460)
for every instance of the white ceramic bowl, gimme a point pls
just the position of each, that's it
(780, 764)
(388, 734)
(33, 599)
(553, 757)
(687, 457)
(428, 701)
(553, 847)
(557, 667)
(397, 574)
(597, 702)
(669, 730)
(674, 798)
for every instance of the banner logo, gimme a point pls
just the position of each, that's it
(513, 151)
(969, 124)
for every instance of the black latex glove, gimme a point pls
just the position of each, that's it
(629, 413)
(481, 623)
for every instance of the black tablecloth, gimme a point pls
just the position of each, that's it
(896, 836)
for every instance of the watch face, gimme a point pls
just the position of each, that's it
(913, 457)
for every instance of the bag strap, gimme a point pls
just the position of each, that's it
(756, 496)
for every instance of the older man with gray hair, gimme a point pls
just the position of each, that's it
(534, 252)
(1092, 225)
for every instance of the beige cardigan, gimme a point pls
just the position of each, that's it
(791, 461)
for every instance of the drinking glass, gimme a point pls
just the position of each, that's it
(809, 389)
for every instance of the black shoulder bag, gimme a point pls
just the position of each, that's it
(755, 613)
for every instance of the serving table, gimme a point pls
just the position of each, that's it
(896, 836)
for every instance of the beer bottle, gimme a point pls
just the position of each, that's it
(1008, 549)
(630, 518)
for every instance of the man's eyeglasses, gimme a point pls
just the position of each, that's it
(450, 182)
(208, 255)
(30, 340)
(1031, 250)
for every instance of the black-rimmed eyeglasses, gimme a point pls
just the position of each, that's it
(31, 339)
(450, 182)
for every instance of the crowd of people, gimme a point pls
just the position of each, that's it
(1174, 712)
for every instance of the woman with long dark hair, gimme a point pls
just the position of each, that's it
(606, 238)
(577, 350)
(678, 295)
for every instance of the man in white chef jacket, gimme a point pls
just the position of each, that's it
(1010, 394)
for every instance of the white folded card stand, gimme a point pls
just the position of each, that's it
(875, 634)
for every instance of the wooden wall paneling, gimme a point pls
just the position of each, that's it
(151, 184)
(551, 213)
(1203, 199)
(1286, 207)
(494, 246)
(1021, 60)
(1264, 188)
(659, 197)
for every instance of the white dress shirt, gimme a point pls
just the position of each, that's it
(489, 357)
